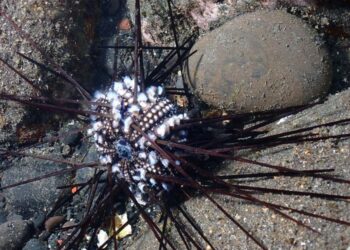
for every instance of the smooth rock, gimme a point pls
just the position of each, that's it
(35, 244)
(13, 216)
(85, 174)
(70, 134)
(29, 199)
(14, 234)
(260, 61)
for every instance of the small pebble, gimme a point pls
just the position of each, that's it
(125, 24)
(53, 222)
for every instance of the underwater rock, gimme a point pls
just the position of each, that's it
(29, 199)
(13, 234)
(35, 244)
(260, 61)
(62, 30)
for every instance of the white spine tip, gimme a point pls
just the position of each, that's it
(162, 130)
(142, 97)
(99, 95)
(152, 136)
(165, 162)
(117, 86)
(90, 131)
(127, 124)
(152, 158)
(160, 90)
(115, 124)
(134, 109)
(171, 121)
(100, 139)
(166, 187)
(151, 93)
(116, 103)
(152, 181)
(142, 174)
(129, 83)
(142, 155)
(115, 168)
(141, 187)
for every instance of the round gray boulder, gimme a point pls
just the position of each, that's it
(259, 61)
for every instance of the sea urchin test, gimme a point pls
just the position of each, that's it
(127, 149)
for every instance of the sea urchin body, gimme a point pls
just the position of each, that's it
(123, 147)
